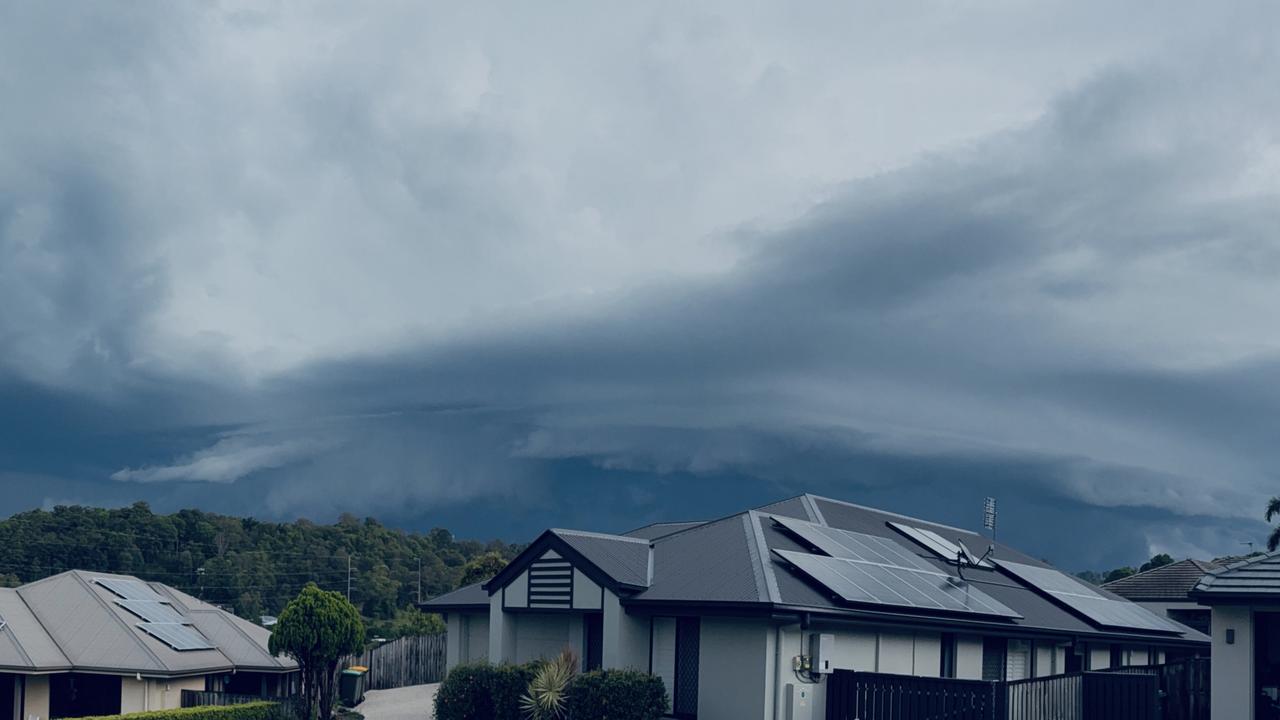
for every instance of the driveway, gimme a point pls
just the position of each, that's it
(406, 703)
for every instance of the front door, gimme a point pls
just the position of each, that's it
(1266, 665)
(592, 641)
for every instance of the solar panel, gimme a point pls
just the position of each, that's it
(939, 545)
(130, 589)
(176, 635)
(1084, 600)
(854, 546)
(857, 581)
(153, 611)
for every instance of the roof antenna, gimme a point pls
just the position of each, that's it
(1249, 543)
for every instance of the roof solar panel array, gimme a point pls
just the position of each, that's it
(130, 589)
(854, 546)
(939, 545)
(153, 611)
(1085, 601)
(858, 581)
(176, 635)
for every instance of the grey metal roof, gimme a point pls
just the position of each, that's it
(469, 596)
(24, 644)
(1256, 576)
(71, 622)
(1174, 581)
(625, 559)
(714, 562)
(731, 560)
(242, 642)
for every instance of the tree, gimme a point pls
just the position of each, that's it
(1273, 509)
(482, 568)
(407, 622)
(1156, 561)
(1119, 573)
(317, 629)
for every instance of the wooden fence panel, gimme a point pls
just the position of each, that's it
(402, 662)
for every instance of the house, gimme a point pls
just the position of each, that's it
(744, 615)
(1245, 599)
(83, 643)
(1166, 591)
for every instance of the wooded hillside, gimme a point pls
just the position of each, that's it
(247, 565)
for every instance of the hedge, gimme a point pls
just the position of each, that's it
(617, 695)
(245, 711)
(492, 692)
(483, 692)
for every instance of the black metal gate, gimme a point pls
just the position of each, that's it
(1111, 696)
(874, 696)
(1073, 696)
(1183, 684)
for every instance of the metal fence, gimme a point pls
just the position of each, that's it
(1058, 697)
(1073, 696)
(1184, 687)
(199, 698)
(402, 662)
(876, 696)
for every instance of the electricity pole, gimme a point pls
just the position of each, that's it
(348, 578)
(419, 579)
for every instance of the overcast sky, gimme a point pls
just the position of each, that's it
(504, 267)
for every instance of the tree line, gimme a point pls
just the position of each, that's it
(248, 566)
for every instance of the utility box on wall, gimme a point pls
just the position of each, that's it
(799, 702)
(822, 648)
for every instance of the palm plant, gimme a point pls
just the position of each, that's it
(1273, 509)
(547, 696)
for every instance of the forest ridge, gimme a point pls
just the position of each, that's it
(246, 565)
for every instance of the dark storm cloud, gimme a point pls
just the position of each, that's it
(375, 286)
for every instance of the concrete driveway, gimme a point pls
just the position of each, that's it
(406, 703)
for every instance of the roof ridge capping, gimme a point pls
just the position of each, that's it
(889, 513)
(1198, 563)
(602, 536)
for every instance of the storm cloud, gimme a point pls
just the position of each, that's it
(423, 264)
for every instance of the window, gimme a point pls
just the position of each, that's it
(1018, 660)
(948, 669)
(993, 658)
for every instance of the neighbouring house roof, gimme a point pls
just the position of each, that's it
(1255, 578)
(734, 564)
(1174, 581)
(71, 621)
(470, 597)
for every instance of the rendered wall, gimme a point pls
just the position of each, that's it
(155, 694)
(543, 636)
(626, 637)
(1232, 666)
(969, 658)
(902, 653)
(453, 640)
(475, 647)
(1099, 657)
(35, 702)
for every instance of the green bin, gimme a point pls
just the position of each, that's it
(351, 686)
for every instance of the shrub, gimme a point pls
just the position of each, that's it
(617, 695)
(483, 692)
(546, 698)
(246, 711)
